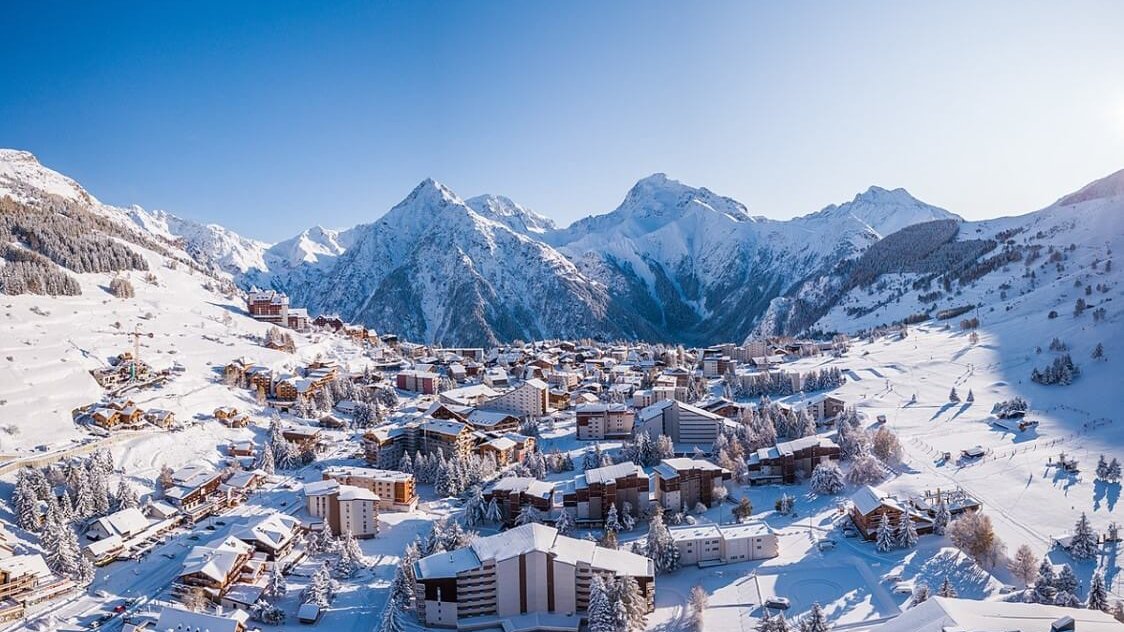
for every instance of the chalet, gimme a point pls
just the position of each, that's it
(683, 483)
(502, 450)
(558, 399)
(604, 421)
(160, 418)
(304, 437)
(273, 535)
(513, 493)
(239, 485)
(957, 501)
(216, 566)
(432, 435)
(26, 580)
(787, 460)
(332, 422)
(225, 412)
(723, 407)
(297, 319)
(107, 418)
(492, 420)
(192, 488)
(244, 448)
(593, 492)
(869, 503)
(124, 524)
(328, 322)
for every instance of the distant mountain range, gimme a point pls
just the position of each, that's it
(672, 263)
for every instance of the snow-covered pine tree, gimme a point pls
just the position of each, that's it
(492, 512)
(815, 620)
(920, 594)
(1066, 580)
(1102, 468)
(635, 604)
(275, 586)
(946, 589)
(475, 507)
(906, 532)
(389, 621)
(26, 502)
(661, 548)
(601, 615)
(265, 461)
(319, 590)
(565, 522)
(953, 396)
(1113, 474)
(126, 496)
(1084, 543)
(628, 518)
(941, 517)
(528, 514)
(1098, 593)
(827, 479)
(406, 464)
(1044, 590)
(612, 522)
(884, 538)
(971, 396)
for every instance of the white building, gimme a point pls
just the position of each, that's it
(523, 571)
(529, 399)
(396, 490)
(343, 507)
(707, 545)
(943, 614)
(688, 426)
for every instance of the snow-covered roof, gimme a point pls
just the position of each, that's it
(524, 484)
(724, 532)
(217, 560)
(99, 548)
(786, 448)
(177, 619)
(488, 418)
(942, 614)
(274, 530)
(611, 473)
(350, 492)
(600, 407)
(321, 488)
(124, 523)
(350, 471)
(526, 539)
(670, 468)
(18, 565)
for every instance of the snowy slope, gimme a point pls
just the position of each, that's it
(1081, 229)
(516, 217)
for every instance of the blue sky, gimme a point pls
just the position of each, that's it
(272, 116)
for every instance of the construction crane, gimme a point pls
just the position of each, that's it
(137, 334)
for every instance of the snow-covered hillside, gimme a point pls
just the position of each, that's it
(672, 263)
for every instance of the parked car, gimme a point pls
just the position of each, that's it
(903, 588)
(777, 603)
(825, 545)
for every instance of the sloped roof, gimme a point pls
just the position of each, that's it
(938, 614)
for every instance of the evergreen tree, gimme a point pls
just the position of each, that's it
(275, 587)
(661, 548)
(1113, 474)
(906, 532)
(941, 517)
(612, 523)
(602, 615)
(492, 512)
(1102, 468)
(815, 620)
(628, 520)
(1044, 590)
(1098, 593)
(827, 479)
(126, 496)
(565, 522)
(390, 622)
(1067, 580)
(319, 590)
(635, 604)
(1083, 546)
(953, 396)
(946, 589)
(475, 507)
(529, 514)
(971, 397)
(920, 594)
(885, 539)
(265, 461)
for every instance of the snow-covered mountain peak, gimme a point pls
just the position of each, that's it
(660, 196)
(883, 211)
(311, 246)
(23, 177)
(515, 216)
(1107, 187)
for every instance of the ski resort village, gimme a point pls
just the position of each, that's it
(924, 435)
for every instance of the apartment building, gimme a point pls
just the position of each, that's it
(343, 508)
(708, 545)
(595, 491)
(787, 460)
(604, 421)
(683, 483)
(688, 426)
(396, 491)
(513, 493)
(527, 570)
(529, 399)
